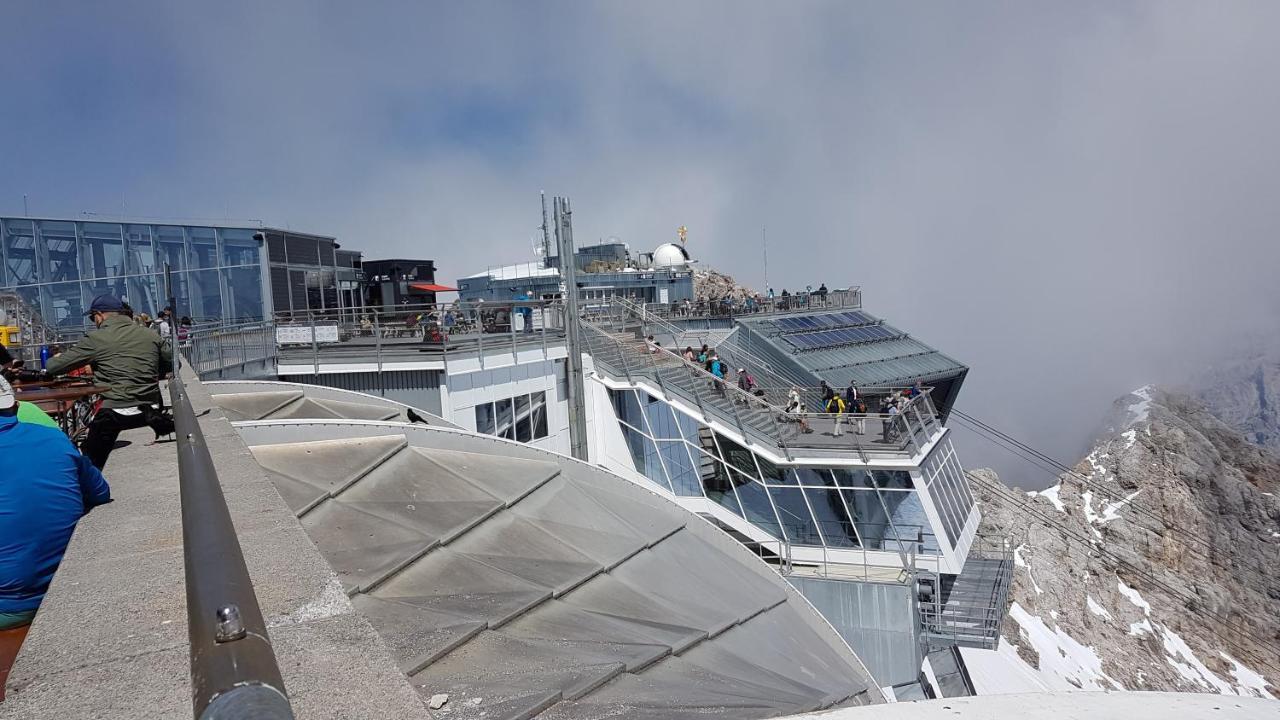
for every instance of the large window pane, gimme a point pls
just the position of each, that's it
(20, 249)
(505, 420)
(853, 478)
(206, 296)
(63, 304)
(170, 247)
(60, 245)
(524, 429)
(756, 505)
(869, 517)
(485, 422)
(244, 290)
(775, 474)
(239, 247)
(815, 476)
(906, 513)
(627, 407)
(833, 520)
(680, 468)
(892, 479)
(103, 250)
(797, 522)
(204, 248)
(539, 412)
(718, 482)
(737, 456)
(661, 423)
(140, 254)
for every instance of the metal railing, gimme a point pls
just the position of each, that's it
(970, 607)
(216, 350)
(443, 331)
(808, 301)
(234, 674)
(757, 419)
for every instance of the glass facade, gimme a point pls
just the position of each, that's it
(836, 507)
(945, 479)
(59, 266)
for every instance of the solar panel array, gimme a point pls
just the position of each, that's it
(843, 336)
(824, 322)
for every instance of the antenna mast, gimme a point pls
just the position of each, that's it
(546, 232)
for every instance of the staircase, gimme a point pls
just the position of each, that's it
(968, 609)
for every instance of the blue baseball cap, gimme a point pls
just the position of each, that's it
(106, 303)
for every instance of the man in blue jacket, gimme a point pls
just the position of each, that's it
(45, 488)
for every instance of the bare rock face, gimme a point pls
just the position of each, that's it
(1245, 394)
(709, 284)
(1156, 564)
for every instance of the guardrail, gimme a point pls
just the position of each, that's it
(217, 351)
(234, 674)
(977, 600)
(810, 301)
(905, 432)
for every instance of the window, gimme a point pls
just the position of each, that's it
(522, 418)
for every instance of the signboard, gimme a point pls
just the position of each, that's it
(301, 334)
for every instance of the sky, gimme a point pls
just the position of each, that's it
(1074, 199)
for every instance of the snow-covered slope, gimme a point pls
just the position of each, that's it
(1153, 567)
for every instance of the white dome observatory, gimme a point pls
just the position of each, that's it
(670, 255)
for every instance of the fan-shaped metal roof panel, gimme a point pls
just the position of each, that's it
(524, 583)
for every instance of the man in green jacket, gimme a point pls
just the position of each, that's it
(130, 360)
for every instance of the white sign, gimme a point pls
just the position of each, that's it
(301, 334)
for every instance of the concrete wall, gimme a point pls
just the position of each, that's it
(878, 620)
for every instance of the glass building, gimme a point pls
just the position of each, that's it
(835, 507)
(59, 266)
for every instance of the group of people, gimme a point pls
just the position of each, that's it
(48, 483)
(743, 302)
(850, 407)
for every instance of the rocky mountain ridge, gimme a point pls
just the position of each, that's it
(1152, 565)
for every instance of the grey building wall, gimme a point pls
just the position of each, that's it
(415, 388)
(878, 620)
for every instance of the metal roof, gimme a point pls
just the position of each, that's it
(524, 583)
(272, 400)
(843, 346)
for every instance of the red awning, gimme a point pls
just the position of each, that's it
(432, 287)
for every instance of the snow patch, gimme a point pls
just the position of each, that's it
(1248, 681)
(1051, 494)
(1141, 628)
(1061, 656)
(1134, 597)
(1130, 437)
(1089, 514)
(1019, 561)
(1002, 671)
(1139, 411)
(1189, 666)
(1111, 511)
(1095, 608)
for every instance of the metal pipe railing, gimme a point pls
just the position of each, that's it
(234, 674)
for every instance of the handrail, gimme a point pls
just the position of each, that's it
(234, 674)
(901, 431)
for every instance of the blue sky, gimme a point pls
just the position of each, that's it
(1073, 198)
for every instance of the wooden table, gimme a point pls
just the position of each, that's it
(70, 403)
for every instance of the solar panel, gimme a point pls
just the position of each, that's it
(842, 336)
